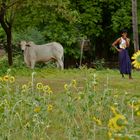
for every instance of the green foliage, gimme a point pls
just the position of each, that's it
(66, 21)
(18, 63)
(99, 64)
(122, 17)
(3, 64)
(30, 34)
(73, 51)
(90, 18)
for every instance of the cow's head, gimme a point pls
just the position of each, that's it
(23, 45)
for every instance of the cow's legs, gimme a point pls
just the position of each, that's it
(32, 64)
(60, 64)
(57, 64)
(28, 64)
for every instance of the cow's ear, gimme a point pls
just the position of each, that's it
(28, 45)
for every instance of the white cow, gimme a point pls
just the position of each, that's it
(42, 53)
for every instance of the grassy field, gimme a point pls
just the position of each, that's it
(74, 104)
(56, 79)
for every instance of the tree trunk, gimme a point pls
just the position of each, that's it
(7, 26)
(135, 25)
(9, 47)
(8, 32)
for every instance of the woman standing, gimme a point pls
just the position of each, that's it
(121, 45)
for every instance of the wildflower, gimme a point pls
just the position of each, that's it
(39, 86)
(24, 86)
(6, 78)
(12, 79)
(97, 121)
(50, 91)
(117, 123)
(49, 108)
(136, 58)
(74, 83)
(37, 109)
(46, 88)
(66, 87)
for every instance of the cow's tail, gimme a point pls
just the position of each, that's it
(62, 58)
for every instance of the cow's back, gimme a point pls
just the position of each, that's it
(47, 51)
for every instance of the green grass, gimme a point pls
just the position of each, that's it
(56, 79)
(73, 109)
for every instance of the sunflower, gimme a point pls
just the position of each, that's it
(6, 78)
(12, 79)
(66, 87)
(117, 123)
(46, 88)
(73, 82)
(39, 86)
(24, 86)
(37, 109)
(50, 108)
(136, 58)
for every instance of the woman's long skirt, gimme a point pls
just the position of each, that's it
(124, 62)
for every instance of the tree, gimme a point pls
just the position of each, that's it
(66, 21)
(7, 14)
(51, 17)
(135, 25)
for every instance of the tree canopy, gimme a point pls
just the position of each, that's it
(67, 21)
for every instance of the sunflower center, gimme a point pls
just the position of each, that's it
(138, 59)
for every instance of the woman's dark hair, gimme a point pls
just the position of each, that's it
(123, 31)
